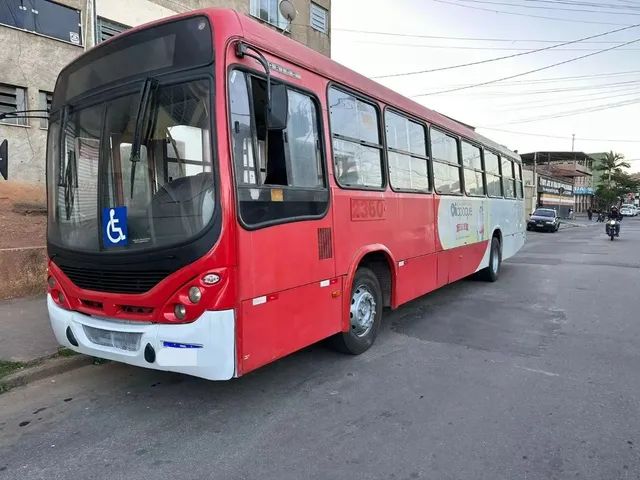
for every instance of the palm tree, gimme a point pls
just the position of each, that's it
(612, 163)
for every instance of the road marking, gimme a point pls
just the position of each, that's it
(543, 372)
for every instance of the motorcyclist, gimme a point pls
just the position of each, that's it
(614, 214)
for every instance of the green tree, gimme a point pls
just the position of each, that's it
(616, 188)
(612, 163)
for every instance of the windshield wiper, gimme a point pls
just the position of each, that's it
(146, 96)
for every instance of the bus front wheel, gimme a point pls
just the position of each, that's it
(365, 314)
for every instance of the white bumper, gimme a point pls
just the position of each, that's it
(204, 348)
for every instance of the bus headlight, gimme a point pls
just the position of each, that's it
(195, 294)
(180, 311)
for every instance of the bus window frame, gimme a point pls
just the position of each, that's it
(482, 171)
(382, 146)
(512, 179)
(499, 157)
(321, 139)
(457, 138)
(425, 126)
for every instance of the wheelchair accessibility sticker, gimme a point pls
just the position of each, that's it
(114, 226)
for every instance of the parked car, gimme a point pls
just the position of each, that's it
(544, 219)
(628, 210)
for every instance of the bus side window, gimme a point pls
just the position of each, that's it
(446, 165)
(357, 148)
(492, 172)
(279, 172)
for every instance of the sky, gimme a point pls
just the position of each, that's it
(599, 102)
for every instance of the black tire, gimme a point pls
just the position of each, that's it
(357, 340)
(492, 272)
(528, 228)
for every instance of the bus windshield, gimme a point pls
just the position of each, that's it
(103, 196)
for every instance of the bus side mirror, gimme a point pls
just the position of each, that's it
(279, 111)
(4, 159)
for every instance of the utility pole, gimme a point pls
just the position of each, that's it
(573, 141)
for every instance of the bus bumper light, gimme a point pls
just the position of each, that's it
(195, 295)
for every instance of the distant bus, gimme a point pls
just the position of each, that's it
(221, 196)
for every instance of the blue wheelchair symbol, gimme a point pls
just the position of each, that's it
(114, 226)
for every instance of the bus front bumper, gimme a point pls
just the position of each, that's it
(204, 348)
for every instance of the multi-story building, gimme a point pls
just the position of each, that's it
(574, 168)
(40, 37)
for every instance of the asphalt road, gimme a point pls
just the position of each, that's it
(534, 377)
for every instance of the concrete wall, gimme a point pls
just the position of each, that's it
(32, 62)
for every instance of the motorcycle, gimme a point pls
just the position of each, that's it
(600, 217)
(613, 229)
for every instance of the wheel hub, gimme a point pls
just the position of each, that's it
(363, 311)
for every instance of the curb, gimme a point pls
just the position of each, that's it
(48, 368)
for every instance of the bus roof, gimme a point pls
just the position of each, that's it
(297, 53)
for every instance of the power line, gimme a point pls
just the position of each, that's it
(533, 105)
(581, 111)
(546, 67)
(444, 37)
(549, 8)
(509, 56)
(528, 15)
(613, 86)
(575, 78)
(559, 136)
(588, 4)
(465, 47)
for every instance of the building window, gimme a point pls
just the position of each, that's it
(43, 17)
(446, 166)
(472, 162)
(319, 19)
(107, 29)
(357, 148)
(407, 153)
(268, 11)
(13, 99)
(45, 104)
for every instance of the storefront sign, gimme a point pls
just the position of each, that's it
(548, 185)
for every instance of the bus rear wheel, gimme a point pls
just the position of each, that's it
(365, 314)
(491, 273)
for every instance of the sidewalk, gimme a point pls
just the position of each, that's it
(580, 221)
(25, 333)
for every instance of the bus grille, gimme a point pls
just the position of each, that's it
(121, 340)
(114, 282)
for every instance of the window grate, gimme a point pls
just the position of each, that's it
(13, 99)
(45, 104)
(319, 18)
(107, 29)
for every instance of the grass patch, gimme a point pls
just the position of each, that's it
(66, 352)
(7, 368)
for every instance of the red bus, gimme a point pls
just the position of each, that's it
(221, 196)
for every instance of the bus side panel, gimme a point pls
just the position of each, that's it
(416, 277)
(276, 325)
